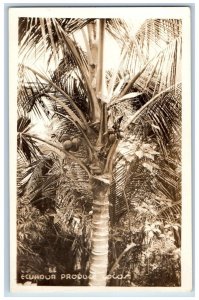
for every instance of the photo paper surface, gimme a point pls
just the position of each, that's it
(100, 149)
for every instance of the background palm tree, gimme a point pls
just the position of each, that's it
(107, 126)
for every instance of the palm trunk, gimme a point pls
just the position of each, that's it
(100, 229)
(100, 187)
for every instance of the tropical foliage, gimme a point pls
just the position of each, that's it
(99, 178)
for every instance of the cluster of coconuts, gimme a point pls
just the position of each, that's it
(71, 143)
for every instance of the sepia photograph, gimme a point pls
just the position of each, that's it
(100, 148)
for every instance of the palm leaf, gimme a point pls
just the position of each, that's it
(161, 45)
(54, 33)
(159, 125)
(30, 96)
(35, 30)
(25, 144)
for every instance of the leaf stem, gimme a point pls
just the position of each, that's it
(111, 157)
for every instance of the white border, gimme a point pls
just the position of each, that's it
(122, 12)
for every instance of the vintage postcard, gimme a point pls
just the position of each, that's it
(100, 149)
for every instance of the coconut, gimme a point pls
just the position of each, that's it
(64, 137)
(112, 138)
(67, 145)
(89, 131)
(75, 144)
(76, 141)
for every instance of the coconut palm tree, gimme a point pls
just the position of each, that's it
(103, 115)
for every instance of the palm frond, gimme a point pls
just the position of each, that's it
(30, 96)
(72, 85)
(160, 192)
(82, 64)
(35, 30)
(160, 129)
(25, 144)
(33, 172)
(156, 33)
(154, 54)
(119, 29)
(163, 72)
(171, 213)
(162, 114)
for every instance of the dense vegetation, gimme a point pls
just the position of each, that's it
(111, 150)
